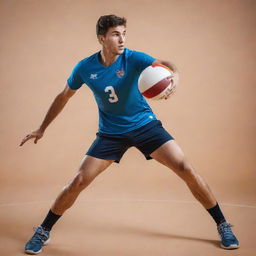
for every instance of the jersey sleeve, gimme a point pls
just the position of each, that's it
(75, 81)
(141, 60)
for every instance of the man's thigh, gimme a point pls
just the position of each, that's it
(150, 137)
(108, 147)
(171, 155)
(90, 166)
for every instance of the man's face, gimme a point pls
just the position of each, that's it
(113, 41)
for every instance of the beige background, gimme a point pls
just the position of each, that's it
(137, 207)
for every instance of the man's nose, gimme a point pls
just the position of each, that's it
(121, 39)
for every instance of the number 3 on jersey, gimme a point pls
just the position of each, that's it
(112, 96)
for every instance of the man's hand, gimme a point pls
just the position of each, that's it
(38, 134)
(175, 81)
(175, 76)
(55, 108)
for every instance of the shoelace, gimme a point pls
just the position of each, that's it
(225, 230)
(39, 236)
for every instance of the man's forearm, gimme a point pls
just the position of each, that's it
(170, 65)
(56, 107)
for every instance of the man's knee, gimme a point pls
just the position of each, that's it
(186, 172)
(182, 166)
(79, 182)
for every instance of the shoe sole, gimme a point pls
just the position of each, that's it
(231, 247)
(33, 252)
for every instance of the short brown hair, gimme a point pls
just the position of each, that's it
(107, 21)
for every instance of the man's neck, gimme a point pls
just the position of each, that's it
(107, 58)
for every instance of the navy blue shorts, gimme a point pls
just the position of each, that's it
(146, 138)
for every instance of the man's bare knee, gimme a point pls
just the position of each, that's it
(80, 182)
(186, 172)
(89, 169)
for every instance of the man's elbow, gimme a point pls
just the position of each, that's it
(66, 94)
(62, 97)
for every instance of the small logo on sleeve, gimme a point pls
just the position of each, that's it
(93, 76)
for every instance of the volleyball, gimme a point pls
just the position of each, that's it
(155, 82)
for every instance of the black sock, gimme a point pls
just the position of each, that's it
(216, 213)
(50, 220)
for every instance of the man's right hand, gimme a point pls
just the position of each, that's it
(38, 134)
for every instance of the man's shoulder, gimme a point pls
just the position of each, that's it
(90, 59)
(129, 52)
(134, 53)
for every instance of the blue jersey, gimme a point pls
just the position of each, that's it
(121, 106)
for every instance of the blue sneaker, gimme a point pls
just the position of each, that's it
(37, 241)
(228, 239)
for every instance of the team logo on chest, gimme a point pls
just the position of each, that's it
(120, 73)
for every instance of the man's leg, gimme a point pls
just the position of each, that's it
(171, 155)
(89, 169)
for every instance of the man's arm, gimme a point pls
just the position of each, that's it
(168, 64)
(55, 108)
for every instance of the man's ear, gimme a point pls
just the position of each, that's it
(101, 39)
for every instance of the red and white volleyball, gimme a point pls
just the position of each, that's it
(155, 82)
